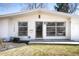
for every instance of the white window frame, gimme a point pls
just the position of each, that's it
(23, 27)
(56, 28)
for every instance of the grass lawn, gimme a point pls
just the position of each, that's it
(43, 50)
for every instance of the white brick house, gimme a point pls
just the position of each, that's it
(39, 24)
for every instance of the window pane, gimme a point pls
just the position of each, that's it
(22, 23)
(51, 24)
(60, 23)
(61, 31)
(22, 30)
(50, 33)
(51, 29)
(22, 33)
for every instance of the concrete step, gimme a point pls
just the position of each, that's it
(53, 42)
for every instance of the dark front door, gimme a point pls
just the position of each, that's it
(39, 27)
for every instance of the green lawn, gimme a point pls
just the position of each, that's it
(43, 50)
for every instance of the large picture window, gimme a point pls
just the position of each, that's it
(55, 29)
(23, 27)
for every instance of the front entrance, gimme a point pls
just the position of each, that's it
(39, 29)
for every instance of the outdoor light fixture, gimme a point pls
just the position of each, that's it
(39, 16)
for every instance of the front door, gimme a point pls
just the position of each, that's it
(39, 29)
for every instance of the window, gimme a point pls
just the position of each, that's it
(55, 29)
(22, 30)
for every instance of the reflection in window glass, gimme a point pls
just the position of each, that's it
(52, 29)
(50, 23)
(60, 23)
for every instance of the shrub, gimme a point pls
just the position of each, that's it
(14, 39)
(2, 43)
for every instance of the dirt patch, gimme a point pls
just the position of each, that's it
(10, 45)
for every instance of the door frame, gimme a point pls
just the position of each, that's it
(42, 30)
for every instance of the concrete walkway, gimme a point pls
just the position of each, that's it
(53, 41)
